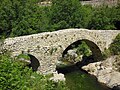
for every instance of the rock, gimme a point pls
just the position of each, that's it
(116, 87)
(25, 61)
(72, 53)
(105, 72)
(57, 77)
(73, 57)
(92, 68)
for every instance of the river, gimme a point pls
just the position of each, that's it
(78, 79)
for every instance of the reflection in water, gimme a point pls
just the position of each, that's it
(77, 79)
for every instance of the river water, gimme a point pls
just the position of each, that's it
(78, 79)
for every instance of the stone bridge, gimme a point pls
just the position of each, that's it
(48, 47)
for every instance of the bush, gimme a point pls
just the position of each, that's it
(102, 18)
(22, 17)
(83, 49)
(69, 14)
(106, 54)
(15, 76)
(115, 46)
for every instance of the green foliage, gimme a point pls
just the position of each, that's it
(12, 74)
(25, 56)
(21, 17)
(69, 14)
(15, 76)
(117, 12)
(103, 18)
(106, 54)
(115, 46)
(83, 49)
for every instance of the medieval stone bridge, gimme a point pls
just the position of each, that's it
(49, 47)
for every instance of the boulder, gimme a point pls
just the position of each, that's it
(57, 77)
(105, 72)
(72, 53)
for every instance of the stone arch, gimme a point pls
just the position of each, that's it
(29, 60)
(96, 52)
(35, 64)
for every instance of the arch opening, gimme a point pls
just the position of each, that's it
(28, 60)
(91, 53)
(34, 63)
(96, 52)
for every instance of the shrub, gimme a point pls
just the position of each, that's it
(69, 14)
(106, 54)
(12, 74)
(115, 46)
(83, 49)
(22, 17)
(102, 18)
(15, 76)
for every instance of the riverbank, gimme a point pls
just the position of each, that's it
(107, 71)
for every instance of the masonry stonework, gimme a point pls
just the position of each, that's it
(48, 47)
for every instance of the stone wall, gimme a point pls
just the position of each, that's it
(48, 47)
(86, 2)
(100, 2)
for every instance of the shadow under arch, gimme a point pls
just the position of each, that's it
(96, 52)
(34, 62)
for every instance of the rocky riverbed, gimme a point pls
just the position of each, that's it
(107, 71)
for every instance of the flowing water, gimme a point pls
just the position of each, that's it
(77, 79)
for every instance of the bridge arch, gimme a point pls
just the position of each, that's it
(29, 60)
(35, 64)
(96, 52)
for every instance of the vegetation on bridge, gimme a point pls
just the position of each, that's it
(115, 46)
(114, 50)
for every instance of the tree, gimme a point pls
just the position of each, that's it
(21, 17)
(117, 16)
(69, 14)
(103, 18)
